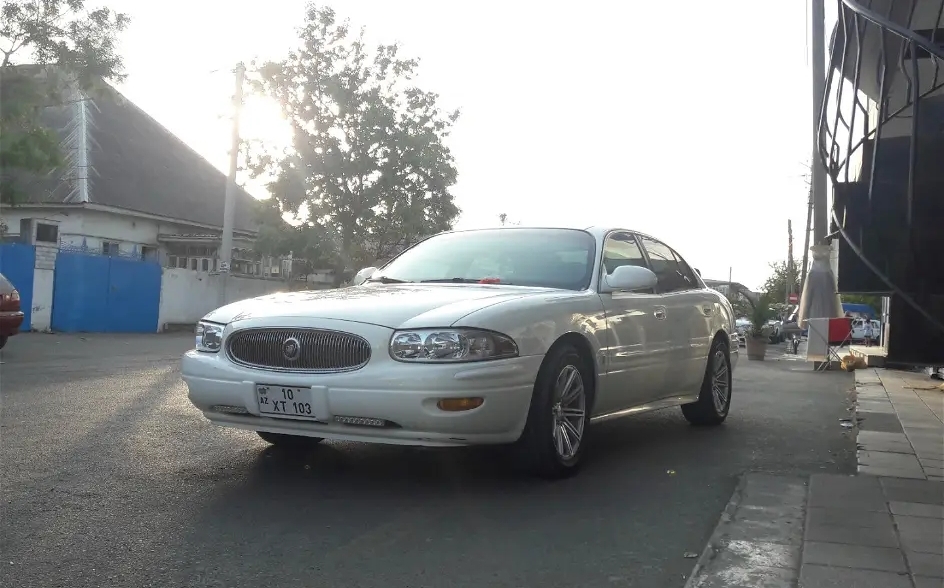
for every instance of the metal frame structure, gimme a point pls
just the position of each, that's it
(879, 77)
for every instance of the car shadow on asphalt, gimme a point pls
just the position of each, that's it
(634, 444)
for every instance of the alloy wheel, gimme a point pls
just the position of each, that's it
(720, 381)
(569, 412)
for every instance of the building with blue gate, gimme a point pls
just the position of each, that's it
(86, 245)
(79, 290)
(130, 188)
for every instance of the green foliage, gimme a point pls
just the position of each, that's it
(47, 46)
(776, 285)
(369, 166)
(742, 308)
(874, 301)
(760, 314)
(277, 237)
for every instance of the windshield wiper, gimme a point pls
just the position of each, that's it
(386, 280)
(462, 281)
(450, 280)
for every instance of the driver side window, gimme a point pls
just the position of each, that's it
(621, 249)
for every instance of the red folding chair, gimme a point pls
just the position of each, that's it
(839, 334)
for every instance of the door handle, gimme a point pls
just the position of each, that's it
(659, 313)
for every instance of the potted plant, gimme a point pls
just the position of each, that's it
(758, 335)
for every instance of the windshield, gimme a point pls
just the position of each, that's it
(551, 258)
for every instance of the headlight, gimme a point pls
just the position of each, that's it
(450, 345)
(209, 336)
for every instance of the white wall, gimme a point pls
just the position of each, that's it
(186, 295)
(95, 226)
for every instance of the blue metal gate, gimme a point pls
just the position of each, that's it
(95, 293)
(17, 263)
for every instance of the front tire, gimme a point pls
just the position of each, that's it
(290, 442)
(555, 435)
(714, 400)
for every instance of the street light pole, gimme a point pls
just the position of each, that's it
(817, 167)
(226, 247)
(790, 277)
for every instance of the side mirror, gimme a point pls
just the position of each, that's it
(698, 271)
(629, 277)
(363, 275)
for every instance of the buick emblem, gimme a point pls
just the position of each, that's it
(291, 349)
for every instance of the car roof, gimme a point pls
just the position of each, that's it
(597, 231)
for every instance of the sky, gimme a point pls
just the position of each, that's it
(687, 120)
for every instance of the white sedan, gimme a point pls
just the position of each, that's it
(519, 336)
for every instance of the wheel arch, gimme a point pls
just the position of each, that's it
(584, 348)
(724, 337)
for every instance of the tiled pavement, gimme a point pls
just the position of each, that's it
(901, 428)
(883, 528)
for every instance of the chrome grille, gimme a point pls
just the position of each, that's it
(318, 350)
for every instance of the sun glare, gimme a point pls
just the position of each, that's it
(261, 120)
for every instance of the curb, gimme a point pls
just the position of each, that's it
(713, 548)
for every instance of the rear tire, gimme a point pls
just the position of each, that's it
(292, 442)
(714, 400)
(555, 435)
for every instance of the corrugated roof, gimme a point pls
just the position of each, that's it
(137, 164)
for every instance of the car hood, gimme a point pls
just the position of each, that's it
(388, 305)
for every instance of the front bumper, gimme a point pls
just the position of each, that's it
(400, 393)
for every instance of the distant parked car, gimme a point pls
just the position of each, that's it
(493, 336)
(743, 326)
(778, 335)
(11, 317)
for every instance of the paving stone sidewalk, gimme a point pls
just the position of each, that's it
(883, 528)
(901, 424)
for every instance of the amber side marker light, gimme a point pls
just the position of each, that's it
(459, 404)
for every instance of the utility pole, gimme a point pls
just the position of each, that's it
(817, 168)
(226, 249)
(806, 239)
(789, 261)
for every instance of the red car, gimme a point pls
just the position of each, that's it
(11, 317)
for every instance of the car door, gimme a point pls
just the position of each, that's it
(637, 337)
(689, 311)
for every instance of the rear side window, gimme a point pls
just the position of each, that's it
(691, 278)
(674, 275)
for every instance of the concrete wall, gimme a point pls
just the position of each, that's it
(43, 278)
(186, 295)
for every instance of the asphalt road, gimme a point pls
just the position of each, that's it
(110, 478)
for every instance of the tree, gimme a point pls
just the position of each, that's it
(277, 237)
(776, 285)
(504, 220)
(368, 164)
(776, 288)
(742, 307)
(47, 48)
(874, 301)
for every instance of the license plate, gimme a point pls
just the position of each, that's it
(286, 402)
